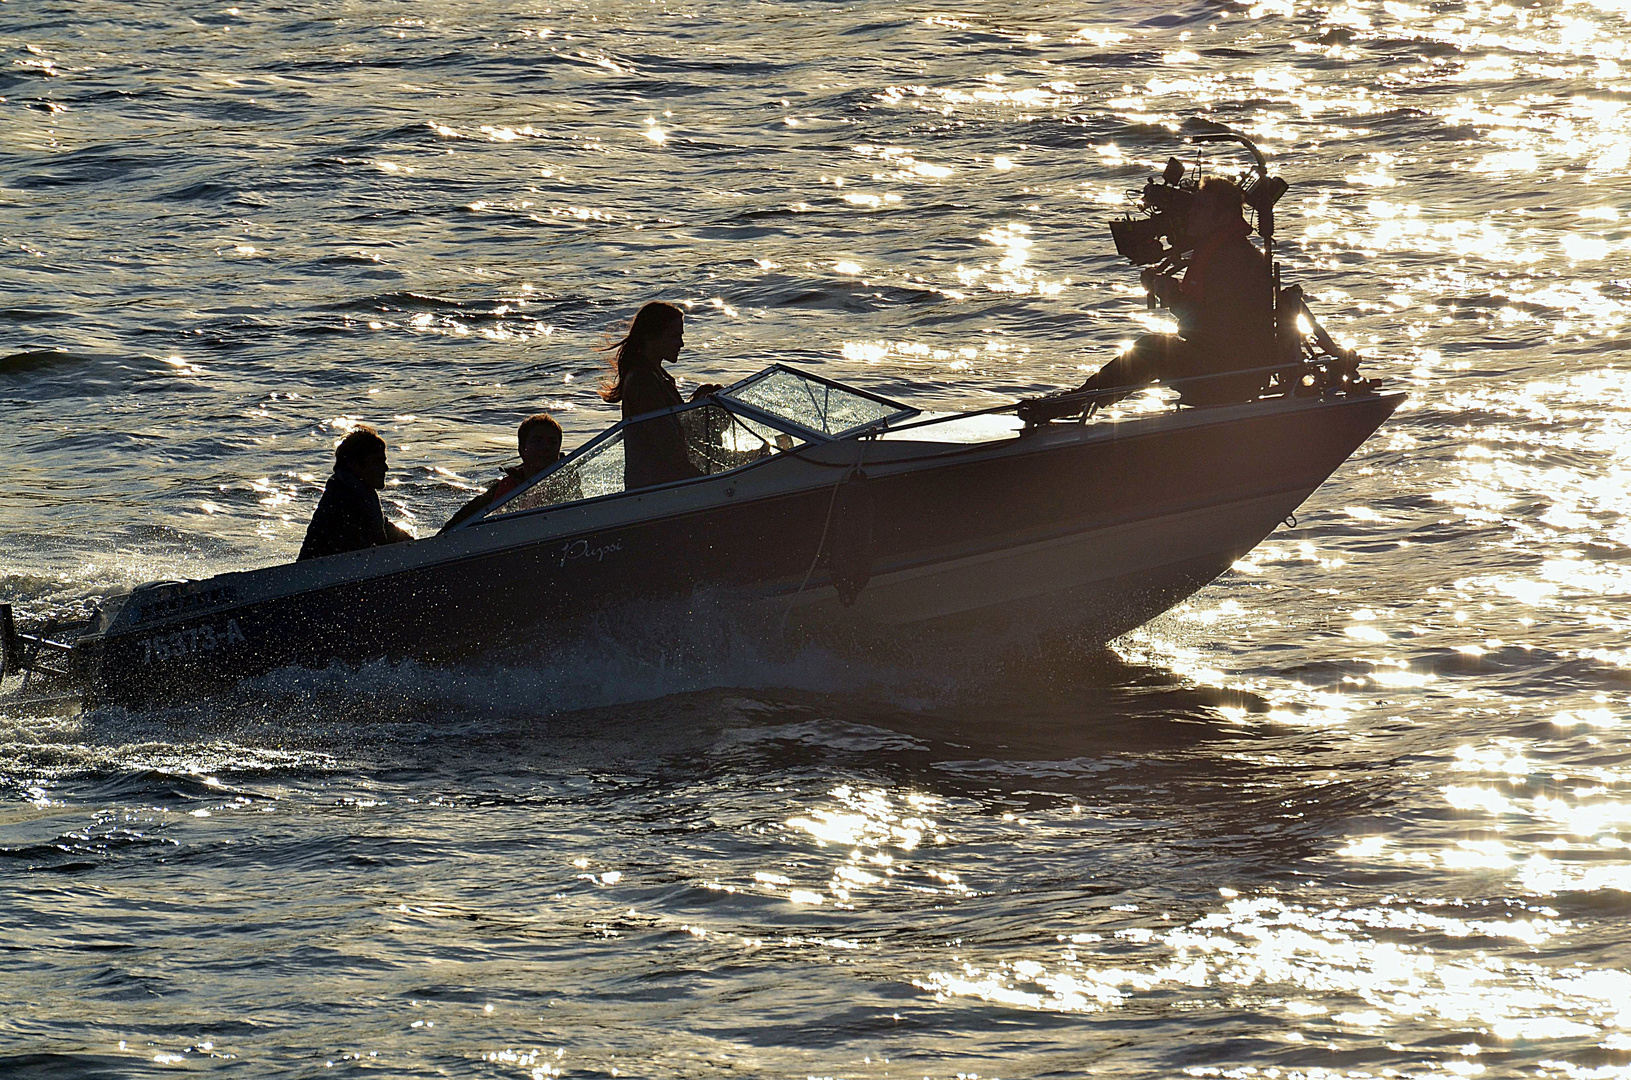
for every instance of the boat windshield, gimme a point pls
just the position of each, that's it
(703, 440)
(812, 403)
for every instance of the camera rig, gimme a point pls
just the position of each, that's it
(1159, 232)
(1304, 360)
(1157, 235)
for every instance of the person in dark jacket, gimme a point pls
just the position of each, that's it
(348, 517)
(653, 452)
(539, 442)
(1224, 304)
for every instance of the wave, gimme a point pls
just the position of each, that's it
(786, 291)
(31, 315)
(62, 1066)
(29, 360)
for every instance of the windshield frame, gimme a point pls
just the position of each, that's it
(492, 512)
(721, 400)
(753, 412)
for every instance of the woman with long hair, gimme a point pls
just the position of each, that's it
(653, 451)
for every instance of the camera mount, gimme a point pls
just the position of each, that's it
(1157, 236)
(1158, 233)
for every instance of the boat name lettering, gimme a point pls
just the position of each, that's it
(582, 549)
(190, 601)
(195, 639)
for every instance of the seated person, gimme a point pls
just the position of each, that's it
(348, 517)
(539, 442)
(1224, 305)
(654, 452)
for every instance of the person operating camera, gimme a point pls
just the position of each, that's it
(1224, 304)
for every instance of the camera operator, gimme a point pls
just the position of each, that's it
(1224, 304)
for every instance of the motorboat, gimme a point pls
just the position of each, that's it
(811, 506)
(803, 507)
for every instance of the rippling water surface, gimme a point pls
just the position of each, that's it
(1360, 809)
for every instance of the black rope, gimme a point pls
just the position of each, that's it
(821, 545)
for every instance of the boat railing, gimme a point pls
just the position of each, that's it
(33, 651)
(720, 433)
(1320, 376)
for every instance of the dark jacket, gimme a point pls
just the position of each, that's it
(348, 518)
(501, 487)
(1225, 304)
(654, 451)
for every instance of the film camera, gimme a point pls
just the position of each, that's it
(1158, 233)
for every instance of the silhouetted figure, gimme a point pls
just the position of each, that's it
(348, 517)
(653, 452)
(1224, 305)
(539, 442)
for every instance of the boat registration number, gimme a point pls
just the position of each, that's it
(195, 639)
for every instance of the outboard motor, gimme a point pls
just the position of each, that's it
(31, 652)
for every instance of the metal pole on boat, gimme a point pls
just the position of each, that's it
(10, 648)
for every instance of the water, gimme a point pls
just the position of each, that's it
(1362, 808)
